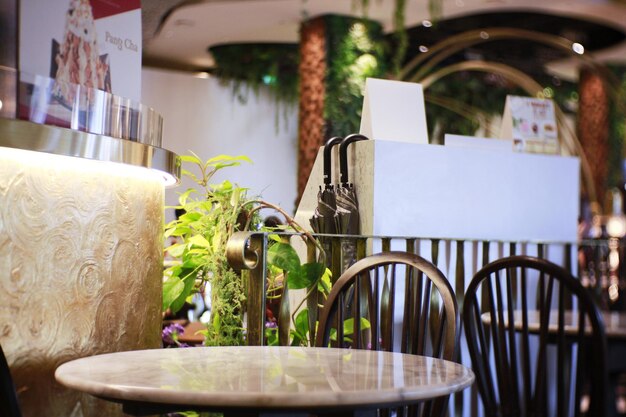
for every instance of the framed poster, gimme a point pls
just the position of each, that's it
(93, 44)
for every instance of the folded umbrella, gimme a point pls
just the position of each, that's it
(324, 220)
(347, 205)
(348, 219)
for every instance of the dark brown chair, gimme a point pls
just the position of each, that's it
(426, 323)
(9, 407)
(552, 356)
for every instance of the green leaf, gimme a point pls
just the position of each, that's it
(306, 276)
(172, 289)
(179, 230)
(193, 262)
(274, 238)
(191, 158)
(348, 325)
(225, 159)
(176, 250)
(348, 329)
(324, 284)
(191, 217)
(189, 174)
(199, 240)
(302, 322)
(182, 198)
(283, 256)
(189, 280)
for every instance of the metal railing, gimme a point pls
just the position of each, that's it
(596, 262)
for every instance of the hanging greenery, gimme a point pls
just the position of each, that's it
(252, 66)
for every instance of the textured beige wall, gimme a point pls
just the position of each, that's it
(80, 270)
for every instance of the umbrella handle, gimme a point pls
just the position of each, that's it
(343, 154)
(328, 146)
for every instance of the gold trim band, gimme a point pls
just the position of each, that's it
(20, 134)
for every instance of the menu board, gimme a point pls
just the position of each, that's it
(531, 124)
(92, 43)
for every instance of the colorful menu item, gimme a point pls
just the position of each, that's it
(531, 124)
(77, 60)
(72, 52)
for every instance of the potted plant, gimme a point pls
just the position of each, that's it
(211, 214)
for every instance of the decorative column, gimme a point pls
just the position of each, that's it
(593, 127)
(81, 256)
(312, 69)
(337, 54)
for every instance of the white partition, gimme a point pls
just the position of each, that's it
(407, 189)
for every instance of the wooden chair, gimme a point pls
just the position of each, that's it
(552, 356)
(9, 406)
(426, 322)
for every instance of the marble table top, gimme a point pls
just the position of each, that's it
(614, 322)
(265, 377)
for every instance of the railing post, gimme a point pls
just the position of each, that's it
(247, 251)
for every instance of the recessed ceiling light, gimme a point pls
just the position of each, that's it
(578, 48)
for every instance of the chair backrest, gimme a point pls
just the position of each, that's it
(552, 355)
(403, 303)
(9, 407)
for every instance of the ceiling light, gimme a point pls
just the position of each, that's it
(578, 48)
(427, 23)
(423, 48)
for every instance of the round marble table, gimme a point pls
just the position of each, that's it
(262, 378)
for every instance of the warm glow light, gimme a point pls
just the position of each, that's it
(202, 74)
(484, 35)
(616, 226)
(578, 48)
(77, 166)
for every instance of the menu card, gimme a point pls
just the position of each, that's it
(95, 44)
(394, 110)
(531, 124)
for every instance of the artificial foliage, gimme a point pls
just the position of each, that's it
(355, 50)
(252, 66)
(617, 131)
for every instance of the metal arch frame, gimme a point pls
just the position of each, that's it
(533, 88)
(454, 44)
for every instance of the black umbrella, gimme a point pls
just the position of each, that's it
(347, 204)
(324, 219)
(346, 201)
